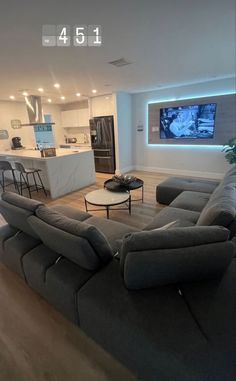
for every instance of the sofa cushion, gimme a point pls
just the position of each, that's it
(188, 200)
(221, 207)
(169, 189)
(15, 248)
(6, 231)
(68, 211)
(47, 272)
(213, 305)
(169, 214)
(16, 209)
(149, 259)
(150, 331)
(80, 242)
(112, 230)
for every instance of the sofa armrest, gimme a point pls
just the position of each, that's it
(153, 258)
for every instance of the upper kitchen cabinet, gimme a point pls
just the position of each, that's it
(75, 118)
(102, 106)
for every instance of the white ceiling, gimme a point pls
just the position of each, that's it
(169, 43)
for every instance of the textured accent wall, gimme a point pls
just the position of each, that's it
(225, 121)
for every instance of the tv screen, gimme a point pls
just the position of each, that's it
(188, 122)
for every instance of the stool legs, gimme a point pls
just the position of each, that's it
(2, 182)
(42, 183)
(24, 180)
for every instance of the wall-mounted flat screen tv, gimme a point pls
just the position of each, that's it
(188, 122)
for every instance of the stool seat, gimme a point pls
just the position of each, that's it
(24, 179)
(32, 170)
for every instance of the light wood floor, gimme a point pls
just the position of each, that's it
(36, 342)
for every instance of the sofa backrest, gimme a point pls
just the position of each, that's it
(221, 207)
(230, 176)
(16, 209)
(161, 257)
(78, 241)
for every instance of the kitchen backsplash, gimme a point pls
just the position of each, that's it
(82, 134)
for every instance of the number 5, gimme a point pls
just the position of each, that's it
(80, 37)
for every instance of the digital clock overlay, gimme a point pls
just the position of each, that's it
(76, 35)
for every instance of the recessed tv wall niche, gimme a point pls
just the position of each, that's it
(198, 121)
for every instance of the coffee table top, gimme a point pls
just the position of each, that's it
(116, 187)
(103, 197)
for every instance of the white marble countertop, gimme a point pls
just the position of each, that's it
(35, 154)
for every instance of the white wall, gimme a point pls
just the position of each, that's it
(124, 126)
(17, 110)
(196, 161)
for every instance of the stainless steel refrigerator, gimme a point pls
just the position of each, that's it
(103, 143)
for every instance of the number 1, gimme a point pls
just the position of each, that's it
(98, 38)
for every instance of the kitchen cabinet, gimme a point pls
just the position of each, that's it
(75, 118)
(102, 105)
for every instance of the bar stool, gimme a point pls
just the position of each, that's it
(6, 166)
(24, 179)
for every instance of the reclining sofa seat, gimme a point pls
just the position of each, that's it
(155, 323)
(58, 258)
(201, 208)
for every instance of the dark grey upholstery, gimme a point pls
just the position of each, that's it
(16, 209)
(56, 279)
(169, 189)
(221, 207)
(78, 241)
(6, 231)
(112, 230)
(151, 331)
(150, 259)
(194, 201)
(161, 333)
(169, 214)
(15, 248)
(70, 212)
(35, 264)
(214, 307)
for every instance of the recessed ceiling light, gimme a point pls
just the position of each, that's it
(78, 94)
(40, 89)
(57, 85)
(94, 91)
(12, 97)
(62, 98)
(25, 93)
(49, 100)
(107, 98)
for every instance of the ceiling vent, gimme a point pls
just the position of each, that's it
(119, 63)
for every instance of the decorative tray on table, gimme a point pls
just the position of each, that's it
(123, 179)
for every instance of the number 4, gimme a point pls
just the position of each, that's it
(63, 36)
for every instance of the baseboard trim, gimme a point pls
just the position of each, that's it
(180, 172)
(124, 170)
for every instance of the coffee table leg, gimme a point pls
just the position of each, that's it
(129, 204)
(142, 192)
(107, 212)
(85, 201)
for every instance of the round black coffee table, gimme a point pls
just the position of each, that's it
(114, 186)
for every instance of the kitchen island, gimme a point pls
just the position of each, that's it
(68, 171)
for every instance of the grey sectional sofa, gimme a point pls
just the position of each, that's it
(165, 308)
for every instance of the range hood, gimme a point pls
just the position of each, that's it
(35, 111)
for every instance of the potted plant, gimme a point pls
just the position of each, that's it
(230, 150)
